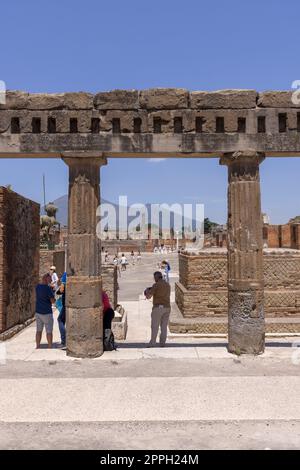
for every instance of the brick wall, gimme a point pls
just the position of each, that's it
(202, 287)
(286, 241)
(52, 258)
(295, 235)
(273, 236)
(19, 257)
(282, 236)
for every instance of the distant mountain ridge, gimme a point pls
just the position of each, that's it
(62, 214)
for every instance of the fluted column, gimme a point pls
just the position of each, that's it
(246, 324)
(83, 290)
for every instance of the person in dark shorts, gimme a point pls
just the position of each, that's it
(43, 310)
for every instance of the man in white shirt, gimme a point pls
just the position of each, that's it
(124, 262)
(54, 278)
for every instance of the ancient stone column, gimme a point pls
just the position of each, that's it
(83, 289)
(246, 324)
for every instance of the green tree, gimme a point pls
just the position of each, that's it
(209, 225)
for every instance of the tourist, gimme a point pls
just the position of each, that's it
(64, 277)
(132, 257)
(108, 315)
(116, 262)
(108, 312)
(139, 257)
(160, 291)
(43, 310)
(61, 319)
(165, 266)
(54, 278)
(124, 262)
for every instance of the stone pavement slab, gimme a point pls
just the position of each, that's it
(180, 435)
(150, 399)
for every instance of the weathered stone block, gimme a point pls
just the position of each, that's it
(276, 99)
(223, 99)
(189, 120)
(40, 101)
(85, 332)
(80, 100)
(164, 98)
(83, 292)
(43, 101)
(117, 99)
(4, 121)
(15, 100)
(231, 121)
(119, 327)
(292, 120)
(81, 258)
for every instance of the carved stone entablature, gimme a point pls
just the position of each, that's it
(161, 120)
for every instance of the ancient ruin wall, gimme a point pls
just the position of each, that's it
(202, 287)
(52, 258)
(154, 120)
(19, 257)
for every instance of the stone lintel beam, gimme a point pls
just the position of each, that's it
(246, 325)
(84, 286)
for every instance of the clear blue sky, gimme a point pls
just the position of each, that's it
(94, 45)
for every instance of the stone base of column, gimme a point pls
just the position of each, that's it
(246, 323)
(84, 323)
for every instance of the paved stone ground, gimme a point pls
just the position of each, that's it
(134, 280)
(191, 394)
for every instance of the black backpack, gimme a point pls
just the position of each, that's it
(109, 340)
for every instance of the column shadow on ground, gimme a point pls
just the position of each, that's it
(170, 345)
(195, 345)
